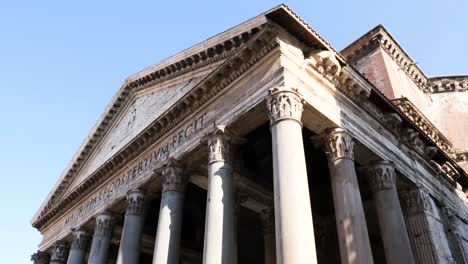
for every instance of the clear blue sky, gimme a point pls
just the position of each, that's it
(61, 62)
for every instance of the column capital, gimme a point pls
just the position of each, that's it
(416, 200)
(267, 219)
(284, 103)
(172, 177)
(104, 223)
(338, 144)
(80, 239)
(59, 252)
(135, 202)
(220, 145)
(381, 176)
(451, 218)
(40, 257)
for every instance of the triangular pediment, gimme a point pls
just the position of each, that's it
(140, 112)
(146, 96)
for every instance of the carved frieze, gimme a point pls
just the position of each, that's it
(284, 103)
(135, 202)
(40, 257)
(381, 176)
(172, 177)
(104, 224)
(339, 144)
(80, 239)
(60, 252)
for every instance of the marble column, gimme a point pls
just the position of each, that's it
(239, 198)
(59, 253)
(267, 219)
(130, 242)
(425, 229)
(382, 181)
(455, 235)
(78, 247)
(167, 244)
(219, 244)
(101, 238)
(349, 212)
(295, 241)
(40, 257)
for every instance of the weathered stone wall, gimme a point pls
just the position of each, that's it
(447, 111)
(451, 113)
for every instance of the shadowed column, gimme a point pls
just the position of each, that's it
(295, 241)
(382, 180)
(219, 242)
(267, 219)
(101, 239)
(59, 253)
(350, 220)
(167, 242)
(78, 247)
(130, 242)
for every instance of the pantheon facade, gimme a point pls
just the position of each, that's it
(263, 144)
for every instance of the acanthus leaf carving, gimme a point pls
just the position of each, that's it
(135, 202)
(80, 239)
(339, 144)
(219, 145)
(284, 103)
(172, 177)
(104, 224)
(416, 200)
(59, 252)
(381, 176)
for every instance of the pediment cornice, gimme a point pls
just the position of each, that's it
(216, 53)
(257, 43)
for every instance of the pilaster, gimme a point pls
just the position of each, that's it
(425, 231)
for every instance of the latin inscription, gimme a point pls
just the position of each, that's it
(122, 183)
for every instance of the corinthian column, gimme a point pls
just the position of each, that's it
(167, 242)
(382, 181)
(350, 220)
(425, 229)
(267, 219)
(219, 242)
(130, 242)
(59, 253)
(40, 257)
(295, 241)
(78, 247)
(101, 238)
